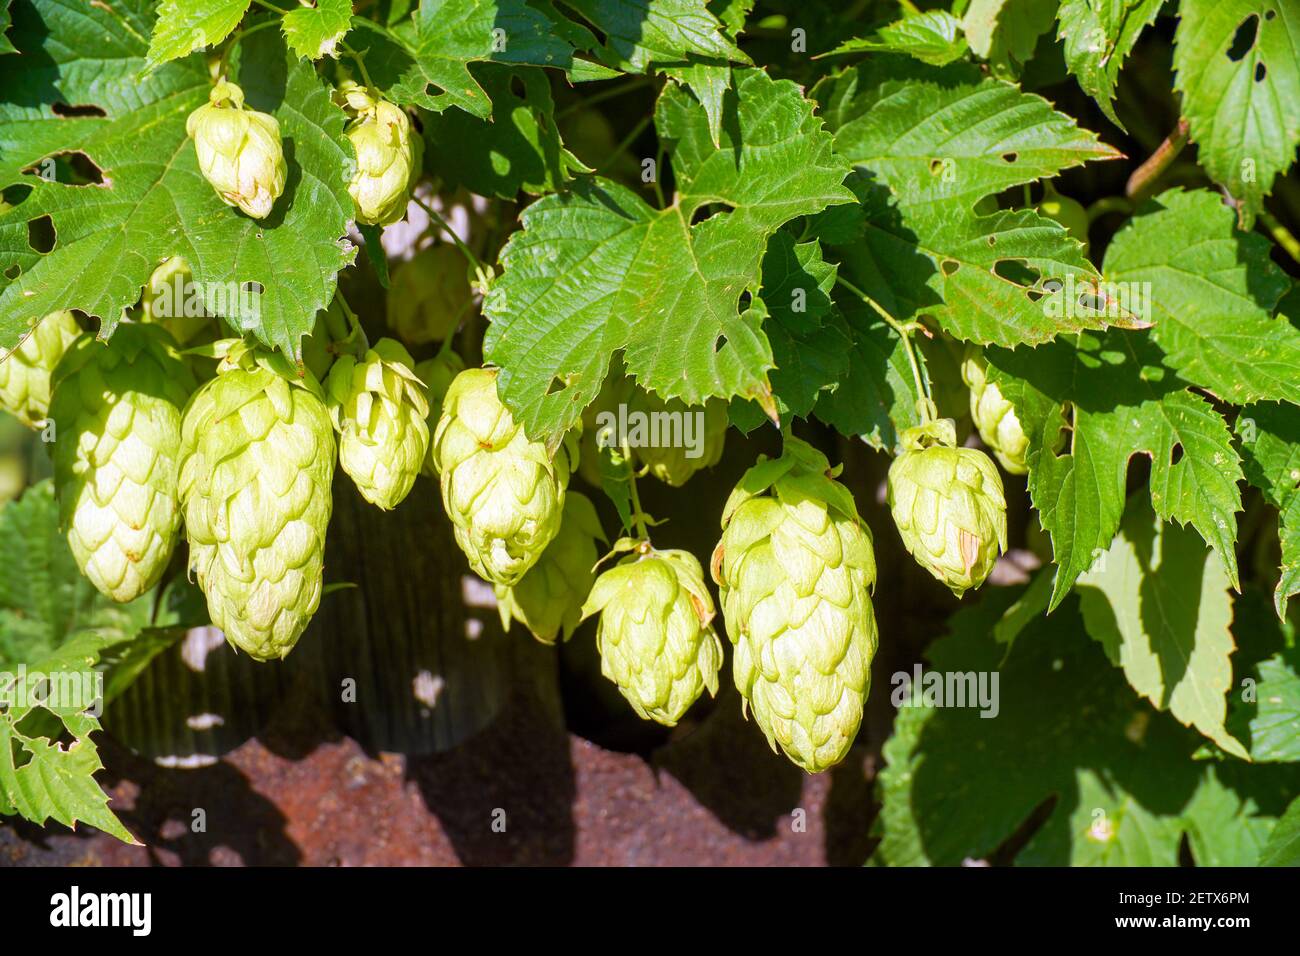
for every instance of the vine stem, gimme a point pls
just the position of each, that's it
(466, 251)
(1143, 181)
(356, 334)
(1280, 234)
(1106, 205)
(234, 42)
(361, 64)
(638, 516)
(628, 140)
(904, 331)
(606, 94)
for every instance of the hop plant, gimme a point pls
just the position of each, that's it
(437, 374)
(503, 492)
(1068, 212)
(257, 459)
(388, 155)
(615, 391)
(379, 408)
(548, 599)
(670, 457)
(994, 416)
(166, 294)
(320, 348)
(116, 467)
(796, 569)
(25, 372)
(239, 150)
(948, 505)
(430, 295)
(655, 636)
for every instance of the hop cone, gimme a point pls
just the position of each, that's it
(257, 459)
(437, 374)
(239, 150)
(503, 493)
(118, 410)
(994, 416)
(671, 452)
(796, 568)
(25, 372)
(388, 156)
(600, 418)
(430, 295)
(948, 505)
(379, 408)
(656, 636)
(548, 599)
(171, 300)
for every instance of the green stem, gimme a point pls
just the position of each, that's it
(628, 140)
(659, 165)
(466, 251)
(1280, 234)
(904, 332)
(638, 516)
(1107, 205)
(361, 65)
(606, 94)
(234, 42)
(1144, 179)
(357, 335)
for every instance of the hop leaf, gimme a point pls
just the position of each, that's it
(118, 408)
(379, 408)
(655, 635)
(503, 493)
(25, 372)
(948, 505)
(239, 150)
(430, 295)
(796, 568)
(548, 599)
(388, 156)
(257, 459)
(994, 416)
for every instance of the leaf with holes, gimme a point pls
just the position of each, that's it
(1239, 75)
(1270, 447)
(153, 202)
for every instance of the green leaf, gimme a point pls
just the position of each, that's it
(5, 45)
(1243, 106)
(1005, 32)
(154, 203)
(1212, 291)
(641, 33)
(1235, 809)
(1098, 35)
(1159, 604)
(1270, 718)
(184, 26)
(934, 36)
(1283, 847)
(596, 269)
(1270, 445)
(315, 31)
(1120, 402)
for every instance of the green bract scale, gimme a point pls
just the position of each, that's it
(239, 150)
(430, 295)
(437, 374)
(796, 569)
(380, 409)
(117, 407)
(994, 416)
(655, 636)
(548, 599)
(948, 505)
(387, 154)
(257, 459)
(678, 440)
(503, 492)
(25, 372)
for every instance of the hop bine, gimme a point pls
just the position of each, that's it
(430, 295)
(388, 155)
(548, 599)
(379, 408)
(239, 150)
(795, 567)
(257, 459)
(655, 635)
(118, 408)
(503, 492)
(948, 505)
(26, 371)
(437, 374)
(994, 416)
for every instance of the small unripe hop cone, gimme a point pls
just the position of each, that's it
(25, 372)
(387, 155)
(994, 416)
(239, 150)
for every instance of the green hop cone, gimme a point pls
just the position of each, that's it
(26, 371)
(1067, 212)
(430, 295)
(118, 406)
(172, 300)
(239, 150)
(257, 459)
(503, 492)
(437, 374)
(655, 636)
(548, 599)
(388, 155)
(678, 440)
(796, 569)
(600, 418)
(948, 505)
(994, 416)
(379, 409)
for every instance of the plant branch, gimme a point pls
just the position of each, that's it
(474, 260)
(904, 331)
(1280, 234)
(1143, 181)
(638, 516)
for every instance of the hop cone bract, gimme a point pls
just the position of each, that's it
(994, 416)
(548, 599)
(503, 493)
(678, 440)
(387, 156)
(655, 636)
(256, 466)
(118, 406)
(796, 568)
(430, 295)
(948, 505)
(239, 150)
(380, 410)
(25, 372)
